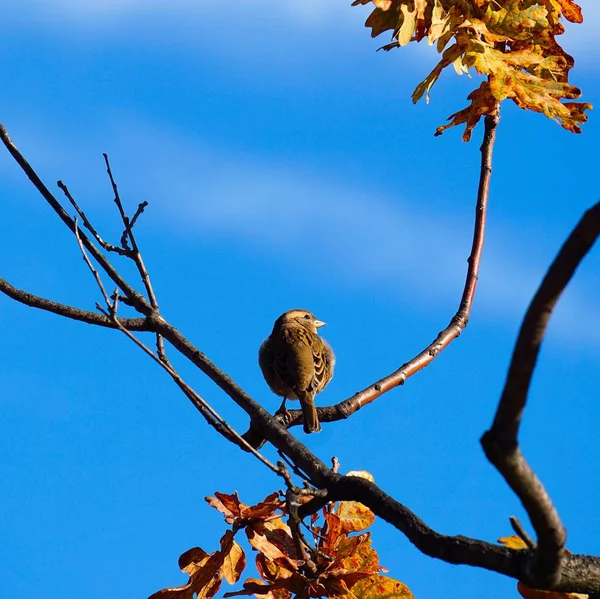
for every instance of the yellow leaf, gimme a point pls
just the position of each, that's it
(354, 516)
(513, 542)
(376, 587)
(407, 29)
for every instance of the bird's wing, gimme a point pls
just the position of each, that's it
(324, 361)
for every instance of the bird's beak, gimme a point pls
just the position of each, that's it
(319, 324)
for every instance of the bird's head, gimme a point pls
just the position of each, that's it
(303, 318)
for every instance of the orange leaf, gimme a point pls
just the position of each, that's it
(229, 505)
(266, 508)
(205, 578)
(234, 563)
(252, 586)
(571, 11)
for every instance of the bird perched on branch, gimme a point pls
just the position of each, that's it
(297, 363)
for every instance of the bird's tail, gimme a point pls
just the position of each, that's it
(311, 419)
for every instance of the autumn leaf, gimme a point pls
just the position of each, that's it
(234, 563)
(354, 516)
(253, 586)
(203, 570)
(239, 513)
(206, 571)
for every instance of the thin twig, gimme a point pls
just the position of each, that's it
(91, 266)
(88, 225)
(292, 500)
(203, 407)
(135, 253)
(500, 443)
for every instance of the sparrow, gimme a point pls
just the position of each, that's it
(297, 363)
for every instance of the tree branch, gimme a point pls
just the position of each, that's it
(460, 320)
(500, 443)
(34, 301)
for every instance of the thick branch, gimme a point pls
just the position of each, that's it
(501, 441)
(579, 573)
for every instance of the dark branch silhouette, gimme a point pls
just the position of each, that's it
(501, 443)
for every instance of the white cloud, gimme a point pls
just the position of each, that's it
(300, 12)
(100, 12)
(284, 213)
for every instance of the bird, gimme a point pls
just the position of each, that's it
(296, 363)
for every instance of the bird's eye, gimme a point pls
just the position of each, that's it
(307, 316)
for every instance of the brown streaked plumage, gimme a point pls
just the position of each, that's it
(297, 363)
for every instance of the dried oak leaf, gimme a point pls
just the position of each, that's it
(239, 513)
(206, 571)
(203, 569)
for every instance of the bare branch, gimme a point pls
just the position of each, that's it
(579, 573)
(500, 443)
(135, 253)
(94, 272)
(34, 301)
(460, 320)
(134, 298)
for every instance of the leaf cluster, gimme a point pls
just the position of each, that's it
(511, 42)
(342, 561)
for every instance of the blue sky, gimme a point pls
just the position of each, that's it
(285, 167)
